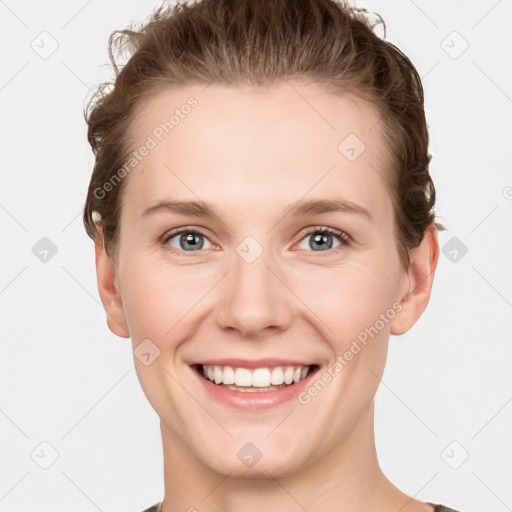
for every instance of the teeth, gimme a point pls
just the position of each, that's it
(242, 377)
(217, 374)
(277, 376)
(261, 378)
(228, 376)
(257, 378)
(288, 375)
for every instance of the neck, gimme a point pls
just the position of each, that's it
(347, 478)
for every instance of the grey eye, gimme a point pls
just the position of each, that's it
(321, 241)
(188, 241)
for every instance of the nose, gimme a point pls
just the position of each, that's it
(255, 300)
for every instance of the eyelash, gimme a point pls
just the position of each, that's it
(340, 235)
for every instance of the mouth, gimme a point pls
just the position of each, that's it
(254, 388)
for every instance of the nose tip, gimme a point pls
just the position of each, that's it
(253, 299)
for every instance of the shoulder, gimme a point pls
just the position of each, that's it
(154, 508)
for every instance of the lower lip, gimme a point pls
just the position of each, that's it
(254, 401)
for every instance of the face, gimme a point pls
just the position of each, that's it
(259, 284)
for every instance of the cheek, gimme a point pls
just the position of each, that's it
(157, 297)
(348, 298)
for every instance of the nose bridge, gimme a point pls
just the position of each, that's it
(253, 297)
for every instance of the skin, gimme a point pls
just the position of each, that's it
(251, 153)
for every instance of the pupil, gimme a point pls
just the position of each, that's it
(189, 239)
(320, 240)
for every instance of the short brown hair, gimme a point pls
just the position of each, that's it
(259, 42)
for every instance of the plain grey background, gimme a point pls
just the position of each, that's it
(76, 429)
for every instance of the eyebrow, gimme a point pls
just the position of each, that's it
(296, 209)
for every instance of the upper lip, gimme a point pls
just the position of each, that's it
(254, 363)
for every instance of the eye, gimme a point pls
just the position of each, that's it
(191, 240)
(187, 240)
(322, 239)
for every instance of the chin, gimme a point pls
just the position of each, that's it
(256, 465)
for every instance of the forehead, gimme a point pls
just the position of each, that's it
(244, 144)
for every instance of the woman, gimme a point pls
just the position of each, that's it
(263, 219)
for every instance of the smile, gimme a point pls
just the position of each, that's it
(259, 379)
(254, 388)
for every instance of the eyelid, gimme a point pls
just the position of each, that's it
(326, 229)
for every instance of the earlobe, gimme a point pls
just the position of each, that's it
(106, 276)
(421, 273)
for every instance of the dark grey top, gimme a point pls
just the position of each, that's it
(439, 508)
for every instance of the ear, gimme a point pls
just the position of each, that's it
(421, 272)
(106, 276)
